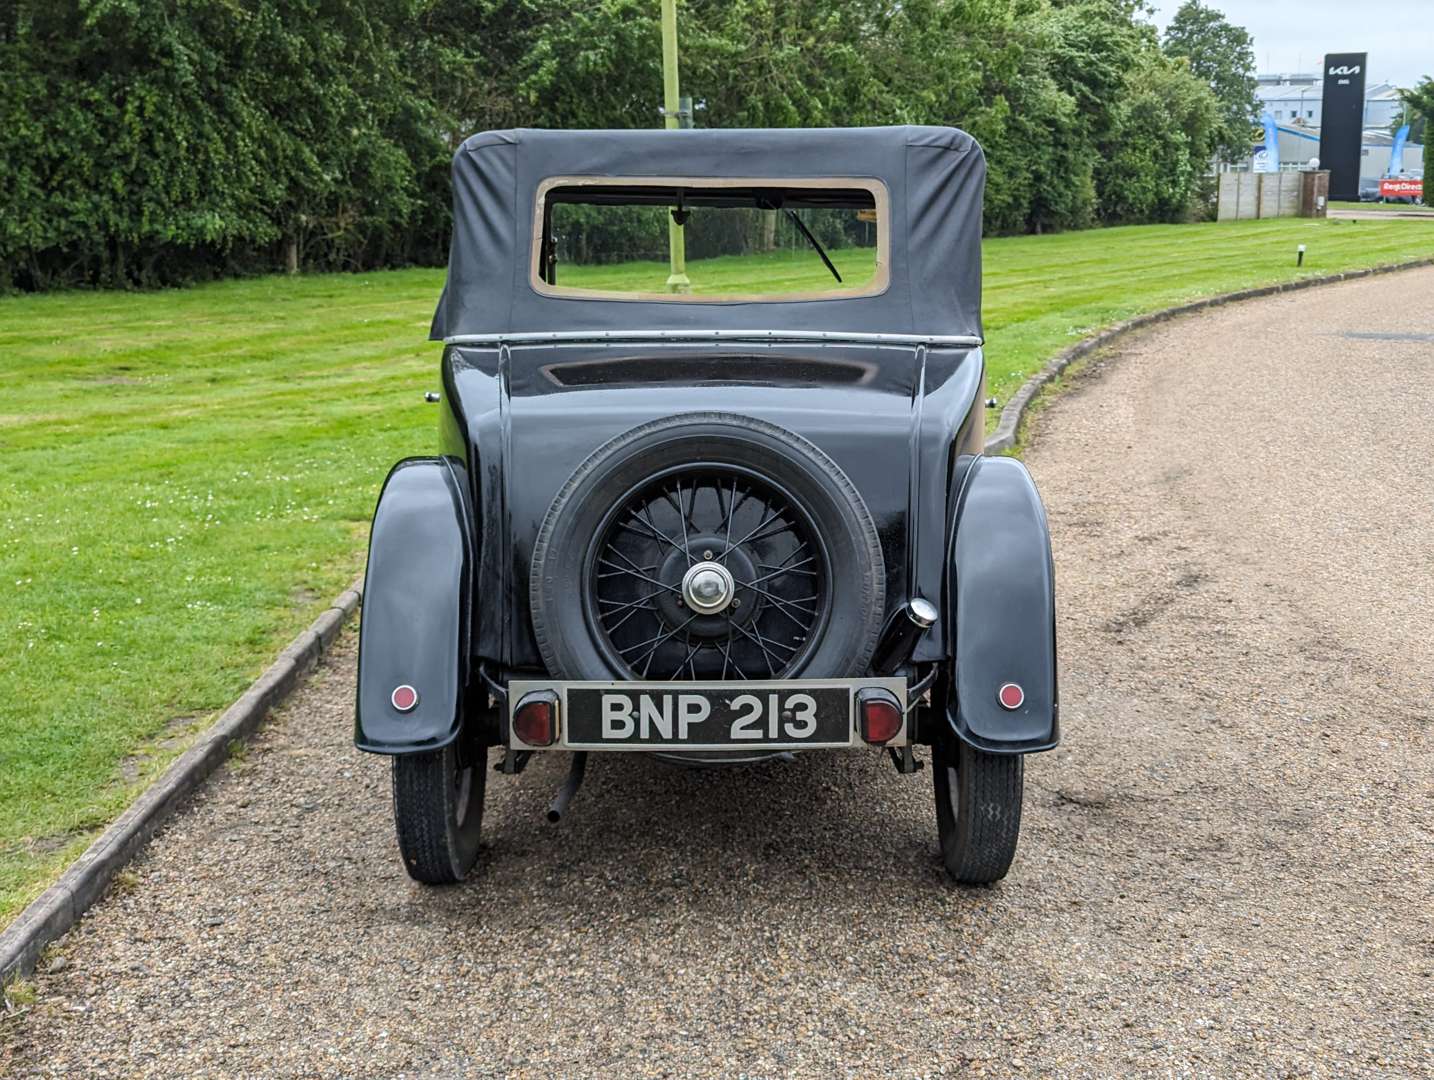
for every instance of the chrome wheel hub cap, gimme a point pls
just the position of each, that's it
(708, 588)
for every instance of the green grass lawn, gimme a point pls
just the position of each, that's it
(799, 270)
(188, 475)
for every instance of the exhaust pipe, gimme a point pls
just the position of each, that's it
(559, 806)
(898, 638)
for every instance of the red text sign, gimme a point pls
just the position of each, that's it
(1397, 189)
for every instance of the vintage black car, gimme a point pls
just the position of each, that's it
(717, 519)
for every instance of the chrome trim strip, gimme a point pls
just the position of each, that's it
(572, 336)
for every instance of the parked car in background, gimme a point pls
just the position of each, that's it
(714, 521)
(1406, 189)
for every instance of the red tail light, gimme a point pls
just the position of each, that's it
(879, 716)
(535, 720)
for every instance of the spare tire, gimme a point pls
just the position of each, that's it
(707, 546)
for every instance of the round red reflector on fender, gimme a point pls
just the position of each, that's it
(404, 698)
(1011, 696)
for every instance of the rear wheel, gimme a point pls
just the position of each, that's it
(437, 810)
(978, 810)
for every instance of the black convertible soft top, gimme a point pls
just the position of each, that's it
(934, 176)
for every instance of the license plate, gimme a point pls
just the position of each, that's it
(803, 714)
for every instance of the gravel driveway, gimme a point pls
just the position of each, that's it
(1227, 869)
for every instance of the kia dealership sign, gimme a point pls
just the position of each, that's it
(1342, 122)
(1401, 189)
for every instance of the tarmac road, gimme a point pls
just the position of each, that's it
(1226, 870)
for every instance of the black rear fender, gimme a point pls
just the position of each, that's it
(1002, 606)
(416, 609)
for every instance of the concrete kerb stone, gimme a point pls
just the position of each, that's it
(60, 906)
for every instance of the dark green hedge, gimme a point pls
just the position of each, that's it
(147, 142)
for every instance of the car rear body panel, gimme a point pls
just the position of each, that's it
(548, 407)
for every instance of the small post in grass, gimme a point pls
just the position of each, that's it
(1300, 255)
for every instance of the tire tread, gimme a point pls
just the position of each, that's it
(423, 818)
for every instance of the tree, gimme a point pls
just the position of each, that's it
(149, 142)
(1164, 133)
(1418, 109)
(1222, 55)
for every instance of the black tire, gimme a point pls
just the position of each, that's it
(978, 810)
(438, 811)
(564, 556)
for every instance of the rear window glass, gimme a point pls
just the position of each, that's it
(710, 239)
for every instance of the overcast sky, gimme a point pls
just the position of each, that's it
(1294, 35)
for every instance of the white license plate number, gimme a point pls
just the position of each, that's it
(729, 716)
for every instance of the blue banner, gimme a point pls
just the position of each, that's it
(1396, 152)
(1267, 157)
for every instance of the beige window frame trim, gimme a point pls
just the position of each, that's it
(880, 281)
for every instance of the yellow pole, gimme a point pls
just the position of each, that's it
(677, 280)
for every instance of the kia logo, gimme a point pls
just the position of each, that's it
(1345, 70)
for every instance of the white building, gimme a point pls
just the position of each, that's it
(1294, 102)
(1294, 99)
(1300, 142)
